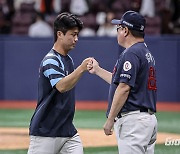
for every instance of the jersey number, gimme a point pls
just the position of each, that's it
(152, 79)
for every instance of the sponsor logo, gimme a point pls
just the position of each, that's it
(170, 142)
(127, 23)
(127, 66)
(125, 76)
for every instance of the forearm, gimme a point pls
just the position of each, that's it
(70, 81)
(120, 97)
(104, 74)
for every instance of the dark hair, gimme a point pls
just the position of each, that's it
(136, 33)
(64, 22)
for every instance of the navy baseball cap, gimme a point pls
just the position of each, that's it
(132, 20)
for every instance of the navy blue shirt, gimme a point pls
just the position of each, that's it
(136, 68)
(54, 113)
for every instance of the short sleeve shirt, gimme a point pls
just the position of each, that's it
(55, 111)
(136, 68)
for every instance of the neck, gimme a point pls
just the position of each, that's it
(132, 41)
(58, 47)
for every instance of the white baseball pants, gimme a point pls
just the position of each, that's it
(55, 145)
(136, 133)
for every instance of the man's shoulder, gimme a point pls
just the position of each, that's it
(51, 55)
(137, 49)
(49, 58)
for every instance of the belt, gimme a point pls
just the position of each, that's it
(133, 112)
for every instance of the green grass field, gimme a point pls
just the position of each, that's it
(167, 122)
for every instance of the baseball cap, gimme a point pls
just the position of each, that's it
(132, 20)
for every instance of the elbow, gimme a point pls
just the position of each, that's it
(61, 89)
(127, 90)
(124, 88)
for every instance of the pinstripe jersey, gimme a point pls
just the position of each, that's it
(55, 111)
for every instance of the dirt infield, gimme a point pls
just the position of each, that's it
(17, 138)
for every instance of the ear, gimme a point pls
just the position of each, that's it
(126, 31)
(59, 34)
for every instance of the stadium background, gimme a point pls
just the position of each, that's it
(20, 57)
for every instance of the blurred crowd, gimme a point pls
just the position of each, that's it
(35, 17)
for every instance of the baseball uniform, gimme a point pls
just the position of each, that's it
(136, 124)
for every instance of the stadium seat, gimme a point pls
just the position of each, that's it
(23, 18)
(153, 25)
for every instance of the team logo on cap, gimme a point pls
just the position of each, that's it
(142, 27)
(127, 66)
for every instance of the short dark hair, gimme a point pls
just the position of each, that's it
(136, 33)
(66, 21)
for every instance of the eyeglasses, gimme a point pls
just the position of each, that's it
(119, 27)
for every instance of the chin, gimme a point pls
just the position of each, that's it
(72, 47)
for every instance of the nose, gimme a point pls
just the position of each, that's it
(76, 38)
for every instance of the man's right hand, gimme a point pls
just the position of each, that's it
(86, 65)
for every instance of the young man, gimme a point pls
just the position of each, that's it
(132, 93)
(51, 127)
